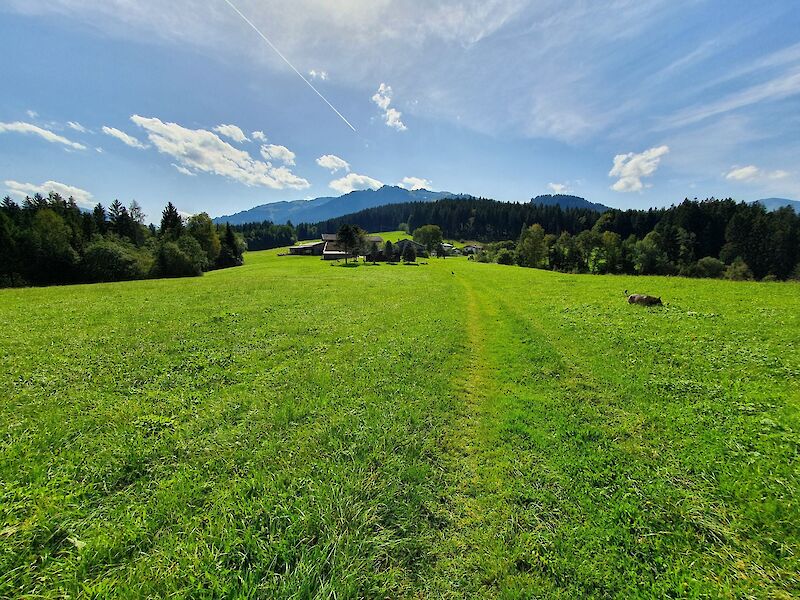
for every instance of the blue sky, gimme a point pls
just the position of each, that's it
(632, 103)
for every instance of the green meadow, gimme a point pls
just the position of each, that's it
(295, 429)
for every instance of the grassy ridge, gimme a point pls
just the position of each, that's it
(295, 429)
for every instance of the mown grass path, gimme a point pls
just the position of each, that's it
(596, 455)
(293, 429)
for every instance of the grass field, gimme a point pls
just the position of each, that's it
(294, 429)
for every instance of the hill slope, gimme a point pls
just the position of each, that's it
(567, 201)
(329, 207)
(776, 203)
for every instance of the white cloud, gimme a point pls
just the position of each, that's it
(29, 129)
(559, 188)
(631, 168)
(184, 170)
(778, 88)
(81, 197)
(199, 150)
(259, 136)
(32, 114)
(393, 119)
(333, 163)
(383, 97)
(281, 153)
(430, 47)
(77, 127)
(753, 173)
(392, 116)
(415, 183)
(743, 173)
(123, 137)
(232, 132)
(352, 182)
(318, 74)
(99, 150)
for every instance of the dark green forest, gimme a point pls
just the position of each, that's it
(50, 240)
(267, 235)
(709, 238)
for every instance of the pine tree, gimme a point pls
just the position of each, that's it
(409, 254)
(113, 213)
(230, 254)
(99, 215)
(171, 222)
(388, 251)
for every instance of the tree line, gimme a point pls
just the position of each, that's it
(267, 235)
(709, 238)
(50, 240)
(478, 219)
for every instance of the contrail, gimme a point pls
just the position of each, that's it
(286, 60)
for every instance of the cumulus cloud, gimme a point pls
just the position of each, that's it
(352, 182)
(232, 132)
(392, 116)
(317, 74)
(333, 163)
(393, 119)
(559, 188)
(77, 127)
(415, 183)
(81, 197)
(259, 136)
(30, 129)
(199, 150)
(281, 153)
(123, 137)
(631, 168)
(753, 173)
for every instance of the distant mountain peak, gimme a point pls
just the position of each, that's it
(330, 207)
(776, 203)
(568, 201)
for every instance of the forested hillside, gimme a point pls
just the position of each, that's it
(52, 241)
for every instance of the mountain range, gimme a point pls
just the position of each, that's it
(776, 203)
(320, 209)
(331, 207)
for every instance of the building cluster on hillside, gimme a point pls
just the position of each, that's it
(329, 249)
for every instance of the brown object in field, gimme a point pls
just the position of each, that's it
(644, 300)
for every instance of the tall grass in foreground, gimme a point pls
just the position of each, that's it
(295, 429)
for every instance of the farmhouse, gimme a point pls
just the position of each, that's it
(308, 249)
(472, 249)
(332, 251)
(400, 247)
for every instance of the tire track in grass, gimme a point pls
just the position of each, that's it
(472, 556)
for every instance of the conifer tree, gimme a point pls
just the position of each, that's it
(409, 254)
(171, 222)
